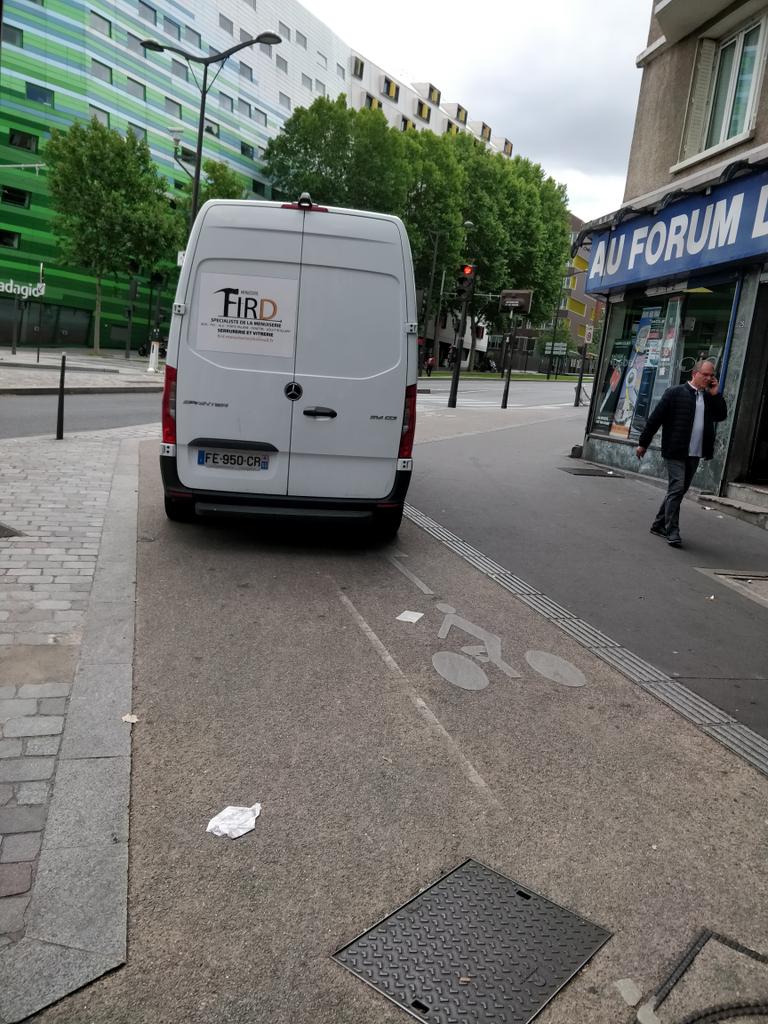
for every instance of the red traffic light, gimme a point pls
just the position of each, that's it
(467, 270)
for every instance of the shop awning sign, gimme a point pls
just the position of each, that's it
(696, 233)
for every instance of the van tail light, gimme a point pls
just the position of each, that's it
(169, 405)
(409, 423)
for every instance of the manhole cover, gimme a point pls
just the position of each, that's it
(475, 946)
(590, 471)
(8, 531)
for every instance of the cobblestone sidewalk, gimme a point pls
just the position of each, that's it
(21, 372)
(61, 581)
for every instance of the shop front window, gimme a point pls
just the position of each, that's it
(652, 343)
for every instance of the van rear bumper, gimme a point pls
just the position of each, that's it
(278, 505)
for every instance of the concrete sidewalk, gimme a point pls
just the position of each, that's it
(275, 669)
(21, 373)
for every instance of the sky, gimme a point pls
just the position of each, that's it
(556, 77)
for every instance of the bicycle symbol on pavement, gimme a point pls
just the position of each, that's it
(462, 671)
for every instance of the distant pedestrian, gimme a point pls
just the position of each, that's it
(430, 365)
(687, 415)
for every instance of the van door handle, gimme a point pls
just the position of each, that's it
(320, 410)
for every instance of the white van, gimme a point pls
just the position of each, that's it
(290, 380)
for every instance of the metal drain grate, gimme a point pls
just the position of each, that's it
(590, 471)
(474, 947)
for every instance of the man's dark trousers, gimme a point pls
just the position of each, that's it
(681, 473)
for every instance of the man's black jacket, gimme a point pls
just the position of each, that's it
(674, 414)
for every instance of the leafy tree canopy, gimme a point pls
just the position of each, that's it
(109, 202)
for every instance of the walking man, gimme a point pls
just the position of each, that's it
(687, 415)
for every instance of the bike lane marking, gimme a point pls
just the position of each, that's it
(424, 710)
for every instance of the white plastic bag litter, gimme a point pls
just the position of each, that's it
(234, 821)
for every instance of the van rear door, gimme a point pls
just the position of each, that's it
(351, 357)
(237, 351)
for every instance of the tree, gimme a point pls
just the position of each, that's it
(312, 152)
(218, 181)
(109, 202)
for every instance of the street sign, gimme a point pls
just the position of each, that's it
(558, 349)
(588, 331)
(515, 301)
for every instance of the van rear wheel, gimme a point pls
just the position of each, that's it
(179, 511)
(386, 523)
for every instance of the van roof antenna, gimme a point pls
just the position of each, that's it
(305, 201)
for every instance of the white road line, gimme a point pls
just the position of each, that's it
(409, 575)
(424, 710)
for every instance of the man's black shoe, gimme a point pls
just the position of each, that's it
(674, 542)
(659, 531)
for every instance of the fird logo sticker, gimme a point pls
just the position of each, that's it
(247, 314)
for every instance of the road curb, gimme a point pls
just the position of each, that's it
(128, 390)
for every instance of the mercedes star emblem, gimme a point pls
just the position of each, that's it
(293, 391)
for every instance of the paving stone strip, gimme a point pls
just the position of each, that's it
(67, 580)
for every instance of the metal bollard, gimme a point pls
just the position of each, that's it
(60, 416)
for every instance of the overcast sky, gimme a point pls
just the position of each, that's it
(557, 77)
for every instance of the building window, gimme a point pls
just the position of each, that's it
(322, 60)
(391, 88)
(134, 44)
(319, 87)
(246, 149)
(137, 89)
(306, 81)
(22, 140)
(188, 155)
(301, 40)
(423, 111)
(39, 94)
(147, 13)
(191, 36)
(358, 67)
(452, 129)
(259, 116)
(226, 102)
(507, 147)
(725, 88)
(226, 24)
(172, 107)
(341, 72)
(100, 24)
(212, 128)
(433, 94)
(284, 31)
(244, 108)
(102, 71)
(405, 124)
(282, 64)
(138, 131)
(266, 48)
(258, 187)
(485, 132)
(180, 185)
(246, 71)
(261, 152)
(371, 102)
(171, 27)
(12, 35)
(101, 115)
(461, 114)
(179, 70)
(10, 239)
(14, 196)
(285, 101)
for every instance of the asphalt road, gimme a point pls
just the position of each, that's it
(31, 415)
(584, 541)
(271, 666)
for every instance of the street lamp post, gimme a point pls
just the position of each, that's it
(270, 38)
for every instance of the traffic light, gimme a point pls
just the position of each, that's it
(465, 281)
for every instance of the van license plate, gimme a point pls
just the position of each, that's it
(232, 460)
